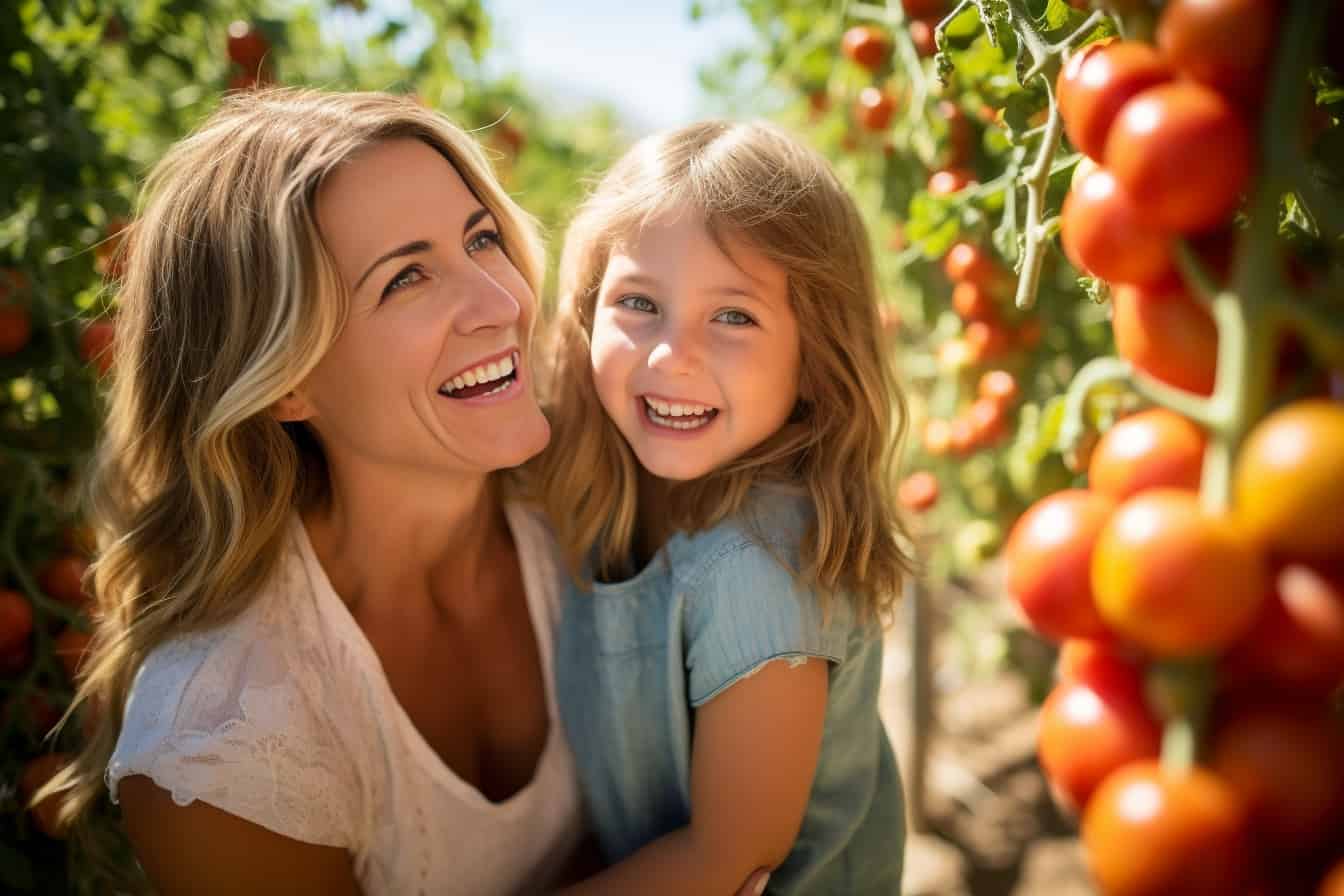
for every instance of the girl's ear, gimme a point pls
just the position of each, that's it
(293, 408)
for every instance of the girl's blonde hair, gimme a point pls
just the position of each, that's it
(754, 182)
(230, 298)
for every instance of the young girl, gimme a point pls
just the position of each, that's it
(727, 423)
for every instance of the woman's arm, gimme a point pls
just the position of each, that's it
(200, 850)
(752, 764)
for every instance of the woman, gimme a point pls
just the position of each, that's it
(323, 647)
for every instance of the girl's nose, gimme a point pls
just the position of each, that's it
(676, 352)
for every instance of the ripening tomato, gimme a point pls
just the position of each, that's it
(1183, 154)
(998, 386)
(1174, 579)
(1105, 233)
(95, 344)
(972, 302)
(961, 436)
(989, 421)
(949, 181)
(1297, 642)
(1225, 44)
(1048, 558)
(923, 36)
(1286, 762)
(1166, 334)
(1156, 448)
(866, 46)
(1097, 81)
(919, 491)
(1150, 831)
(62, 578)
(16, 620)
(247, 46)
(874, 109)
(1289, 484)
(968, 263)
(1088, 730)
(1106, 665)
(70, 648)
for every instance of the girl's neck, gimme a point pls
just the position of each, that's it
(653, 526)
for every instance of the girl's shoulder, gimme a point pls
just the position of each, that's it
(766, 532)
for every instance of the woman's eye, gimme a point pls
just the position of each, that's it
(403, 278)
(734, 317)
(485, 239)
(638, 303)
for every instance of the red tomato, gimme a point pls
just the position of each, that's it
(874, 109)
(1289, 484)
(16, 322)
(1106, 234)
(1297, 642)
(989, 421)
(1151, 449)
(36, 773)
(1097, 81)
(1087, 731)
(1166, 334)
(1048, 557)
(986, 340)
(95, 344)
(973, 302)
(919, 491)
(924, 9)
(1183, 153)
(1149, 831)
(968, 263)
(962, 436)
(1225, 44)
(62, 578)
(949, 181)
(1029, 333)
(1105, 665)
(959, 135)
(16, 620)
(247, 46)
(1286, 763)
(923, 37)
(1175, 580)
(998, 386)
(937, 437)
(866, 45)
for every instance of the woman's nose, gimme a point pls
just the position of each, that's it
(488, 303)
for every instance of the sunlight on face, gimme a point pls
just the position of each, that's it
(431, 370)
(695, 352)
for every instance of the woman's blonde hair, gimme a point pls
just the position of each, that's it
(756, 183)
(229, 299)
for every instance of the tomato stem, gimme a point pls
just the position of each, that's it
(1111, 370)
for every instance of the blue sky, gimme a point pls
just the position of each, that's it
(639, 55)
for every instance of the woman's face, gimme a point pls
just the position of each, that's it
(431, 370)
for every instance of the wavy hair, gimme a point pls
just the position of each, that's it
(229, 300)
(754, 182)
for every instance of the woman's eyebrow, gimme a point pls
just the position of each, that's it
(417, 246)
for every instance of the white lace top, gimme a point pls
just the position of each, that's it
(285, 718)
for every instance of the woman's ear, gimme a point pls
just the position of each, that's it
(292, 408)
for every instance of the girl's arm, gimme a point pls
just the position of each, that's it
(200, 850)
(752, 763)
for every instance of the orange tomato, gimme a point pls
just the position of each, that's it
(874, 108)
(919, 491)
(1289, 480)
(866, 46)
(986, 340)
(998, 386)
(1150, 831)
(967, 262)
(1156, 448)
(949, 181)
(63, 579)
(1166, 334)
(1175, 580)
(973, 302)
(1225, 44)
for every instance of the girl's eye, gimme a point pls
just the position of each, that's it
(485, 239)
(734, 317)
(403, 278)
(638, 303)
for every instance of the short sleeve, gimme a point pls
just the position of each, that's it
(744, 608)
(221, 720)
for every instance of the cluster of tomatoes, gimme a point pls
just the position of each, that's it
(16, 318)
(1153, 593)
(869, 47)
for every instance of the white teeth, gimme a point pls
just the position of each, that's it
(492, 372)
(506, 366)
(470, 377)
(663, 420)
(459, 383)
(483, 374)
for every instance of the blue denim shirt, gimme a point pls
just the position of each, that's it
(634, 658)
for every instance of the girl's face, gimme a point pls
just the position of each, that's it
(695, 352)
(431, 371)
